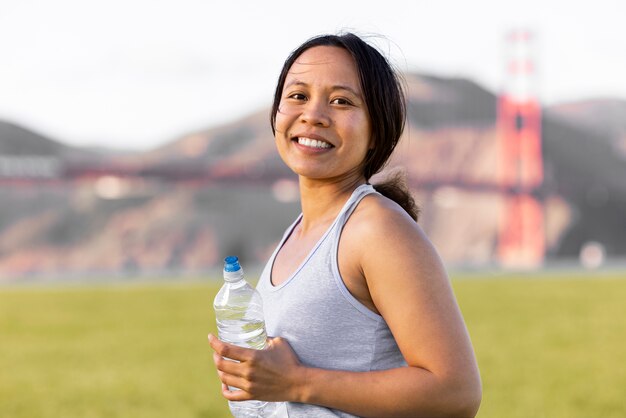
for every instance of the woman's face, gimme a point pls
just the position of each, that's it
(322, 125)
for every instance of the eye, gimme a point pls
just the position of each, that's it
(341, 101)
(297, 96)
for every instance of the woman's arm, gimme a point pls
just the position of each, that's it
(410, 289)
(275, 374)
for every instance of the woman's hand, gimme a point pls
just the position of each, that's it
(273, 374)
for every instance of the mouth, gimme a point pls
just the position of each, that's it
(312, 143)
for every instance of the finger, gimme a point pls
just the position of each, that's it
(229, 350)
(227, 366)
(236, 395)
(224, 349)
(233, 387)
(277, 342)
(274, 341)
(230, 381)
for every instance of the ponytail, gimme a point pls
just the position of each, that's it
(395, 187)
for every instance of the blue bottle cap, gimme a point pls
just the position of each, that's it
(231, 263)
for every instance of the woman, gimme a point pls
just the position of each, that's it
(364, 318)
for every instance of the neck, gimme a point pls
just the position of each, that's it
(322, 201)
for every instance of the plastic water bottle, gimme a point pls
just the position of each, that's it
(239, 316)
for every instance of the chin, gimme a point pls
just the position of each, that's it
(309, 171)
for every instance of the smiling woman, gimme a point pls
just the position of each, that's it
(355, 295)
(322, 128)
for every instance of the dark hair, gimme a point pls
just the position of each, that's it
(385, 102)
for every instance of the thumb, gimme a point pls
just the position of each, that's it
(280, 344)
(275, 340)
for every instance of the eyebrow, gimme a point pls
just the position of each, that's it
(297, 82)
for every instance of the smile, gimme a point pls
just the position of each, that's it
(313, 143)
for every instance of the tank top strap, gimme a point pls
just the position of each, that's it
(357, 195)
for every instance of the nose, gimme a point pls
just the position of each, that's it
(316, 113)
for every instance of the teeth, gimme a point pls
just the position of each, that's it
(313, 143)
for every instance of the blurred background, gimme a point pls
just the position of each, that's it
(134, 136)
(135, 143)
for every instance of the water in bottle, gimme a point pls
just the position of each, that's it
(239, 316)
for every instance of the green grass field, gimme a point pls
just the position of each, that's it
(547, 347)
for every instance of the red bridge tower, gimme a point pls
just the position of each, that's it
(521, 240)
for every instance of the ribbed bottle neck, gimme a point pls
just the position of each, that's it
(233, 276)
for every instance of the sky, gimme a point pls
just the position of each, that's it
(135, 74)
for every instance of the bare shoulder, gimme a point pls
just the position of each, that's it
(410, 289)
(382, 231)
(380, 218)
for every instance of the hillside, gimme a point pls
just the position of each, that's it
(16, 140)
(606, 117)
(182, 206)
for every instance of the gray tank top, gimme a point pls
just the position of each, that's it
(326, 326)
